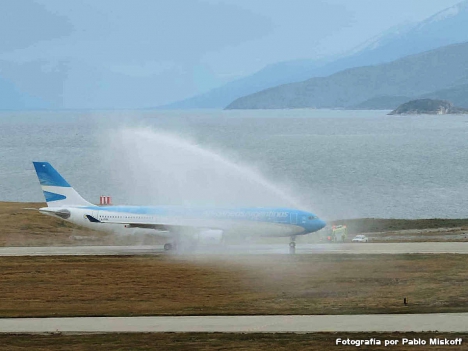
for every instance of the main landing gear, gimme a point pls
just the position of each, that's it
(292, 246)
(180, 246)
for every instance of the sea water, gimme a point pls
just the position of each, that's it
(338, 164)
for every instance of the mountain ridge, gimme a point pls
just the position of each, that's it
(410, 76)
(435, 31)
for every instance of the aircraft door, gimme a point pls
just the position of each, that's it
(95, 214)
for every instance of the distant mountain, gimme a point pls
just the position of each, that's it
(272, 75)
(444, 28)
(381, 103)
(71, 84)
(67, 82)
(11, 97)
(457, 94)
(428, 107)
(411, 76)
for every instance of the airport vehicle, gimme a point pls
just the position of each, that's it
(360, 239)
(183, 226)
(336, 233)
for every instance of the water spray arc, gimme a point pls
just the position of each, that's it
(167, 169)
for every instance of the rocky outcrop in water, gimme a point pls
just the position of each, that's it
(428, 107)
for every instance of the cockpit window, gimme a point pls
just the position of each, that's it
(312, 217)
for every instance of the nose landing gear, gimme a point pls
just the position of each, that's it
(292, 246)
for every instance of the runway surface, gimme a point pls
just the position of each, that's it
(442, 322)
(363, 248)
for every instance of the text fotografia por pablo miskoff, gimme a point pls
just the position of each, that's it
(401, 341)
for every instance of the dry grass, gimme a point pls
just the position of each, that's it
(164, 285)
(215, 341)
(370, 225)
(22, 227)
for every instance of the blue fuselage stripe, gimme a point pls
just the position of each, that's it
(306, 220)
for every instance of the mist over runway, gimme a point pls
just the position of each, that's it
(301, 249)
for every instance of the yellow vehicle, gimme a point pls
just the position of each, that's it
(337, 233)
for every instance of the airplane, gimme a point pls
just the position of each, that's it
(180, 225)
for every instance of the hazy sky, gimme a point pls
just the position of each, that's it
(194, 45)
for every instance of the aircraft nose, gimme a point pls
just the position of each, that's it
(320, 224)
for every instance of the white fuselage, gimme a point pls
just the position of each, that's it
(118, 221)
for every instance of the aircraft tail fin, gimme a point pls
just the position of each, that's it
(57, 191)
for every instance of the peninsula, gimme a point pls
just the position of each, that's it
(428, 107)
